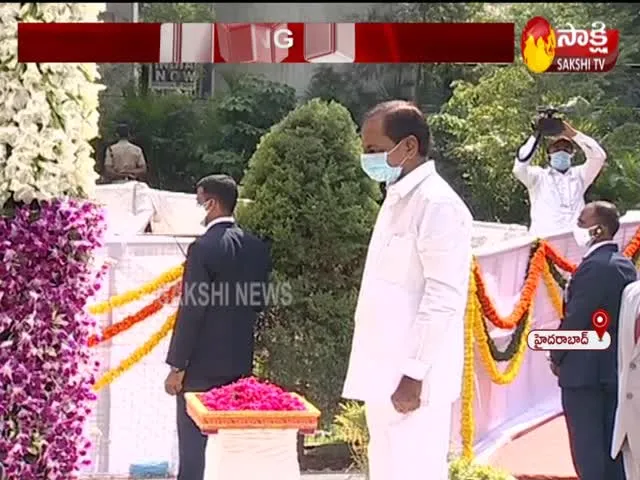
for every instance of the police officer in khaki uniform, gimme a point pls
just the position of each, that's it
(124, 161)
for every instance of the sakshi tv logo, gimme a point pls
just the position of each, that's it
(546, 49)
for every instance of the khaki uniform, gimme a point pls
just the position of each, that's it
(123, 156)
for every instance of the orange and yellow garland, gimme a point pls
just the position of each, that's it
(479, 307)
(133, 295)
(125, 324)
(137, 355)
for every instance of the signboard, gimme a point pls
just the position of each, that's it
(167, 76)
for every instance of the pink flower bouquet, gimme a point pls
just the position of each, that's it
(250, 403)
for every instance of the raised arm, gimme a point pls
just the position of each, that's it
(522, 169)
(593, 152)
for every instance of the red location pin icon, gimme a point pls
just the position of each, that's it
(600, 321)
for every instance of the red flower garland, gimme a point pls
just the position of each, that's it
(557, 259)
(634, 245)
(145, 312)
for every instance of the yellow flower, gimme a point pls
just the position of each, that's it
(138, 354)
(132, 295)
(467, 423)
(512, 370)
(553, 290)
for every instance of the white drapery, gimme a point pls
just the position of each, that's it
(135, 419)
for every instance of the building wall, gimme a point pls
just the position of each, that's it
(296, 75)
(117, 76)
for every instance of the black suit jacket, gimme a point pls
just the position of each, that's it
(597, 284)
(224, 287)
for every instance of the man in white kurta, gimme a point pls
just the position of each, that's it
(626, 429)
(556, 192)
(407, 353)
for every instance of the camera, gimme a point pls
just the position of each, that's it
(549, 124)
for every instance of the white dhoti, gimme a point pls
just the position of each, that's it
(631, 462)
(408, 447)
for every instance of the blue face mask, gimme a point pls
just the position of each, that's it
(560, 160)
(376, 166)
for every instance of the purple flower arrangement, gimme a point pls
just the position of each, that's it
(47, 274)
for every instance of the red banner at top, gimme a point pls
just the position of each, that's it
(267, 42)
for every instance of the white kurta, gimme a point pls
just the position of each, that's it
(558, 198)
(410, 321)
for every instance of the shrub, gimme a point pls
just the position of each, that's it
(315, 204)
(247, 111)
(461, 469)
(185, 138)
(350, 427)
(169, 128)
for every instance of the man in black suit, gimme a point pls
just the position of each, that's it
(223, 289)
(589, 378)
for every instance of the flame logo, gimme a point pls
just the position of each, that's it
(538, 44)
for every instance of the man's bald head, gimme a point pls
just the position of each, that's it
(400, 120)
(601, 214)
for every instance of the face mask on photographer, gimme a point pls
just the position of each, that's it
(560, 161)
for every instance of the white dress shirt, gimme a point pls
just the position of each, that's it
(558, 198)
(218, 220)
(410, 314)
(593, 248)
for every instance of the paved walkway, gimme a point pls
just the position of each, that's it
(539, 454)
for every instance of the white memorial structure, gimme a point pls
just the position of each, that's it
(134, 424)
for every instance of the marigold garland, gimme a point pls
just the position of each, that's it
(558, 260)
(145, 312)
(536, 268)
(554, 293)
(137, 355)
(467, 421)
(131, 296)
(512, 347)
(633, 247)
(513, 368)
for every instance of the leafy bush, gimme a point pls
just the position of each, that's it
(350, 426)
(461, 469)
(310, 197)
(185, 138)
(250, 107)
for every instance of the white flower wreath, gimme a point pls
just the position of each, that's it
(48, 112)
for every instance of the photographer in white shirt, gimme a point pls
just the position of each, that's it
(556, 192)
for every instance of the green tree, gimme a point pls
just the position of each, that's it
(310, 197)
(246, 111)
(484, 122)
(185, 138)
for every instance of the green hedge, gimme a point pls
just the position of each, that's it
(186, 138)
(313, 201)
